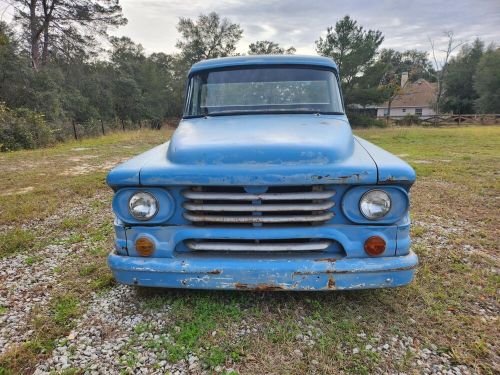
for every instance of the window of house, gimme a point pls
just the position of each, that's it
(404, 110)
(418, 111)
(386, 111)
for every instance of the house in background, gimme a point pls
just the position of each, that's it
(415, 98)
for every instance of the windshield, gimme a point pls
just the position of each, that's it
(263, 90)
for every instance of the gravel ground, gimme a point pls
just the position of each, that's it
(28, 280)
(106, 339)
(25, 286)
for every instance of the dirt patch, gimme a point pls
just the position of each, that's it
(25, 190)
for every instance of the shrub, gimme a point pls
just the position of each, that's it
(361, 121)
(22, 128)
(409, 120)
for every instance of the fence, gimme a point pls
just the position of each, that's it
(482, 119)
(447, 119)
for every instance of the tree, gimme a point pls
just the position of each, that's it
(65, 26)
(487, 82)
(12, 74)
(128, 100)
(266, 47)
(460, 94)
(351, 47)
(208, 37)
(394, 63)
(442, 65)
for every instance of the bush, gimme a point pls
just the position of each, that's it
(361, 121)
(409, 120)
(23, 128)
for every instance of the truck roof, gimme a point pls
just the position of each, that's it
(263, 60)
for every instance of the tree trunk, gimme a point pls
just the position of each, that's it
(102, 127)
(74, 129)
(34, 36)
(45, 50)
(123, 124)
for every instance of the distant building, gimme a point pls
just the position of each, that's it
(415, 98)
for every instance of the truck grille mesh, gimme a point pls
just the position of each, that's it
(257, 206)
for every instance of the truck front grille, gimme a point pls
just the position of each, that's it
(258, 205)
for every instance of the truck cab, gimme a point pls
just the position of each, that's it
(263, 186)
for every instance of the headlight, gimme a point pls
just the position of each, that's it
(375, 204)
(143, 206)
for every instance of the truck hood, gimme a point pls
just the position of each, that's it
(262, 139)
(262, 150)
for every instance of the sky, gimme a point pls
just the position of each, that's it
(405, 24)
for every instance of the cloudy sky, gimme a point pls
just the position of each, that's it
(405, 24)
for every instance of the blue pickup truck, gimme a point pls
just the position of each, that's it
(263, 186)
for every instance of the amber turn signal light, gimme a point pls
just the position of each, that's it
(144, 246)
(374, 245)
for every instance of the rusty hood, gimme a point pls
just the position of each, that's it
(253, 150)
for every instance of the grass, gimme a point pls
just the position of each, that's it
(203, 321)
(38, 182)
(453, 207)
(16, 240)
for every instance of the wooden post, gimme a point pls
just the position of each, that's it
(74, 129)
(102, 128)
(123, 124)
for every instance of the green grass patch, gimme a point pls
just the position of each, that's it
(87, 270)
(16, 240)
(32, 260)
(64, 308)
(195, 318)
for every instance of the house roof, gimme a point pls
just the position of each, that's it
(417, 94)
(263, 60)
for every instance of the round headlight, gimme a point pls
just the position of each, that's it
(375, 204)
(143, 206)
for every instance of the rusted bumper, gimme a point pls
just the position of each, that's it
(264, 274)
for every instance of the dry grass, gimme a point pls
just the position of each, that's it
(452, 304)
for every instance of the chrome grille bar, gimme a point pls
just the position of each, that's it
(245, 246)
(259, 208)
(258, 219)
(316, 195)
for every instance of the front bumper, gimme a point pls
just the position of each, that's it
(233, 273)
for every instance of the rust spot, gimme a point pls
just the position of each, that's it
(258, 287)
(331, 283)
(214, 272)
(326, 260)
